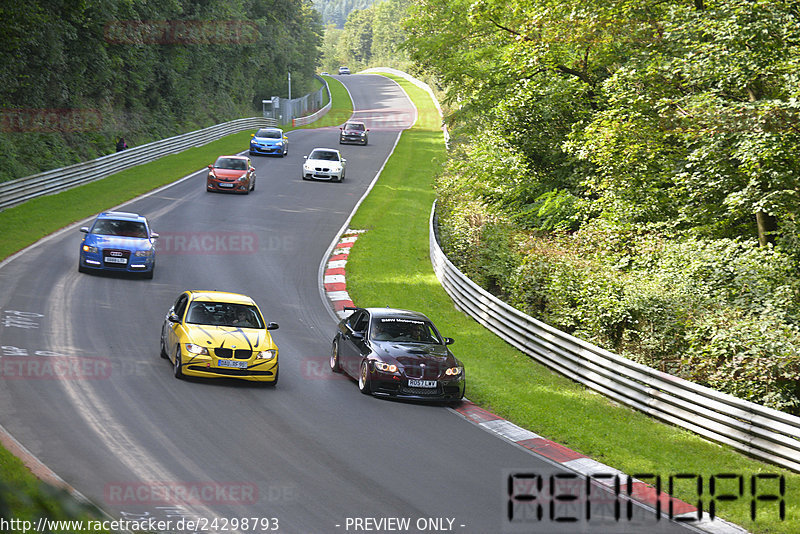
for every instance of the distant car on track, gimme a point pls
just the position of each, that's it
(324, 164)
(234, 174)
(219, 334)
(354, 132)
(118, 241)
(397, 353)
(344, 70)
(269, 141)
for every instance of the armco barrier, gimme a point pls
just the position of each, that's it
(308, 119)
(18, 191)
(756, 430)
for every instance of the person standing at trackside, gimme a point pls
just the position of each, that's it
(121, 144)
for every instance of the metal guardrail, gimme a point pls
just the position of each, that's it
(18, 191)
(756, 430)
(308, 119)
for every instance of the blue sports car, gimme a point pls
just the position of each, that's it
(269, 141)
(120, 242)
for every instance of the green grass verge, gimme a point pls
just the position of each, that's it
(29, 222)
(390, 266)
(22, 496)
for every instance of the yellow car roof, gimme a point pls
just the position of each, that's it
(220, 296)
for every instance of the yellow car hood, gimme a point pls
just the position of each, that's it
(229, 337)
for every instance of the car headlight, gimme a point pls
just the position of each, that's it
(143, 253)
(385, 367)
(267, 354)
(89, 248)
(454, 371)
(195, 349)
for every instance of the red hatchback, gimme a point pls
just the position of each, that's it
(233, 174)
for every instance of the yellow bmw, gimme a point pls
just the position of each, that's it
(219, 334)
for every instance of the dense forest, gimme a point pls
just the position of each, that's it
(372, 36)
(335, 12)
(78, 74)
(627, 172)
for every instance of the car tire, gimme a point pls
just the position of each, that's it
(364, 385)
(336, 366)
(176, 368)
(253, 187)
(163, 352)
(148, 275)
(81, 268)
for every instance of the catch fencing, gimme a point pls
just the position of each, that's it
(18, 191)
(756, 430)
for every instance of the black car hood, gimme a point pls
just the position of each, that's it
(414, 353)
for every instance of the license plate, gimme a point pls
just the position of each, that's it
(111, 259)
(225, 185)
(421, 383)
(237, 364)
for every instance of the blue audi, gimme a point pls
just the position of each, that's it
(269, 141)
(120, 242)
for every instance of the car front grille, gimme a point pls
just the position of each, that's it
(230, 371)
(420, 392)
(239, 354)
(111, 254)
(424, 373)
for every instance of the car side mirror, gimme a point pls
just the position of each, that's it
(85, 229)
(173, 318)
(305, 157)
(210, 166)
(252, 135)
(344, 160)
(358, 335)
(449, 341)
(252, 169)
(154, 235)
(272, 326)
(341, 127)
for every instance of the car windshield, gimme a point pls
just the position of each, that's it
(269, 134)
(398, 329)
(324, 155)
(354, 126)
(234, 164)
(224, 314)
(119, 228)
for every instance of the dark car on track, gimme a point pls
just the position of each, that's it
(354, 132)
(118, 241)
(397, 353)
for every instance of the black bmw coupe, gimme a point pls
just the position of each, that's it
(397, 353)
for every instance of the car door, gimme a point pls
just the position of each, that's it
(173, 329)
(354, 341)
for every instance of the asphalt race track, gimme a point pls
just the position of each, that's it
(312, 452)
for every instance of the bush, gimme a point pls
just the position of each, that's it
(723, 313)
